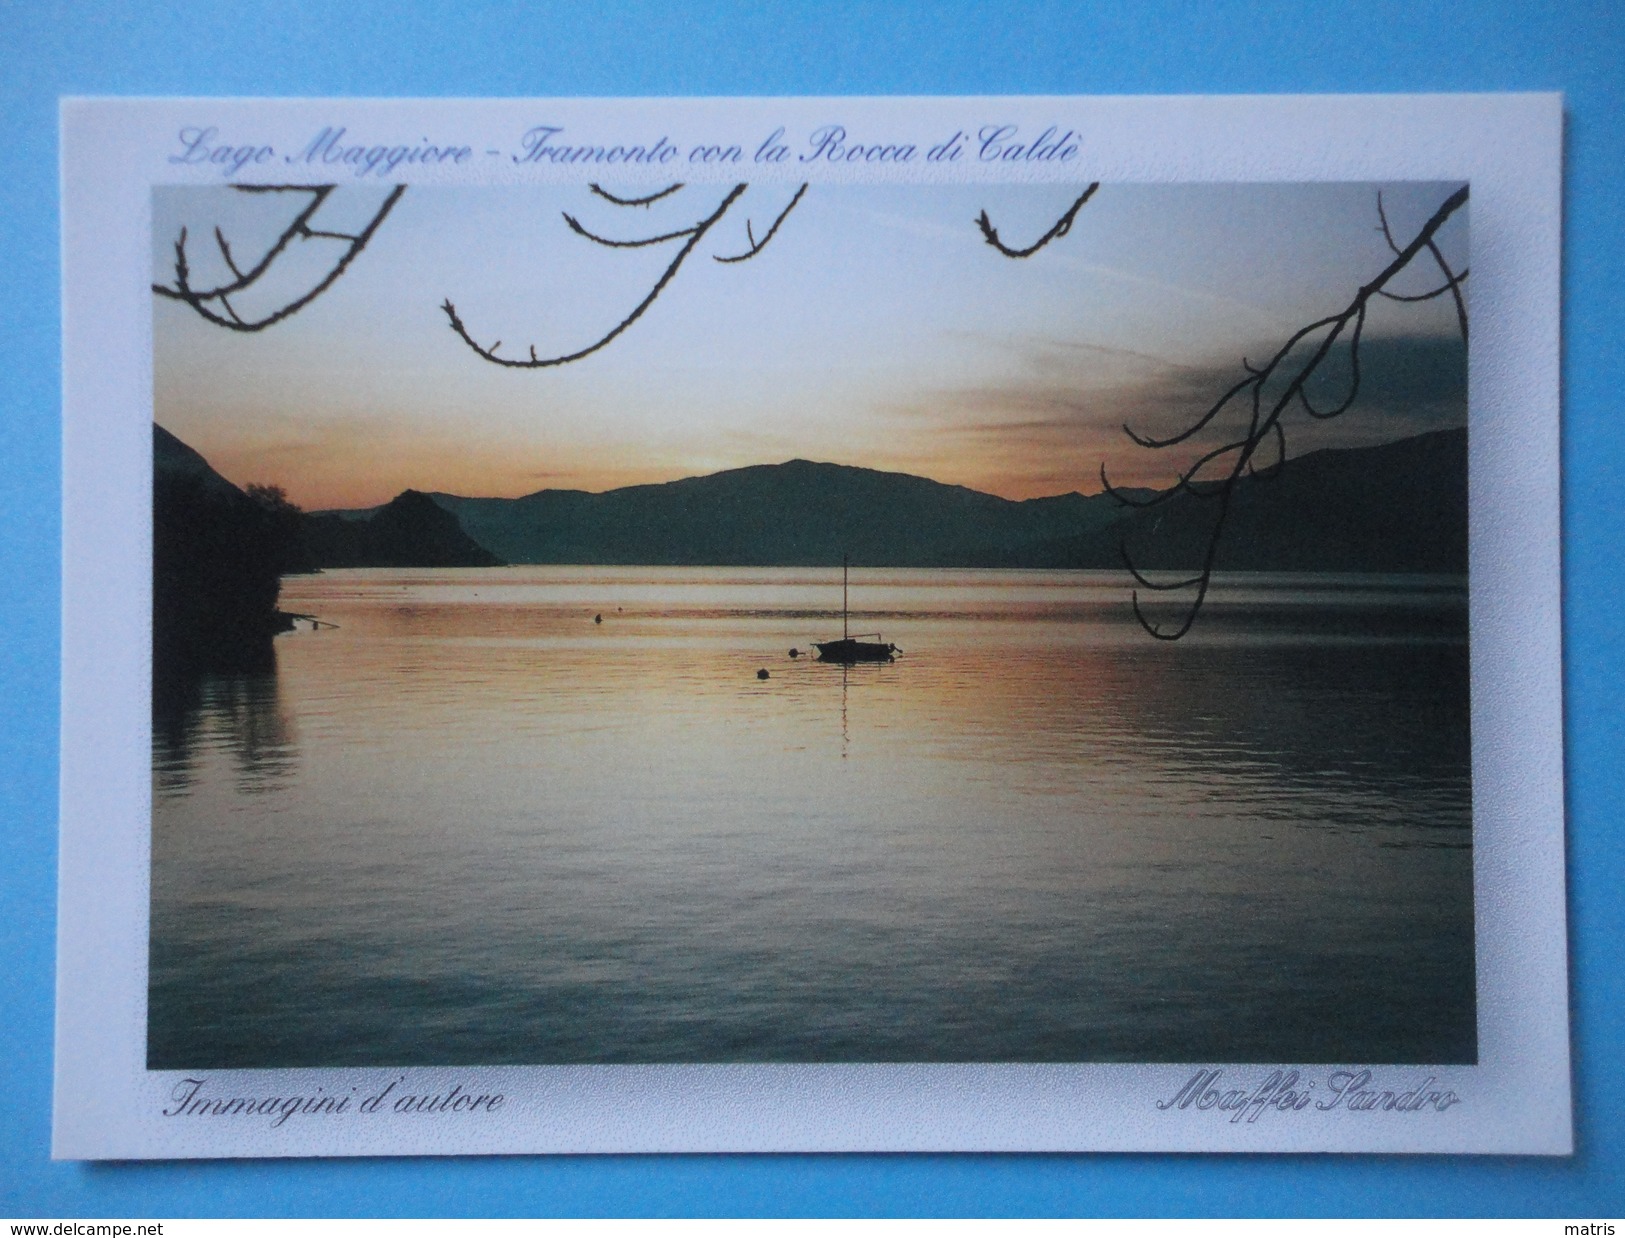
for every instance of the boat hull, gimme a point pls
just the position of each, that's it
(848, 650)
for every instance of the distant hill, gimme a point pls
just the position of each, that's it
(799, 513)
(1398, 507)
(173, 460)
(411, 530)
(219, 553)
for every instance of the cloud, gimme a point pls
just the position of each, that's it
(1059, 412)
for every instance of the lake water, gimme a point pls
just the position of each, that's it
(471, 825)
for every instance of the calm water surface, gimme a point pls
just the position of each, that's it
(472, 826)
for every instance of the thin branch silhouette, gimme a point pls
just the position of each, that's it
(1062, 226)
(1452, 283)
(1214, 475)
(580, 229)
(691, 237)
(214, 304)
(646, 200)
(756, 246)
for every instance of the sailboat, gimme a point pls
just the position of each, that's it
(867, 647)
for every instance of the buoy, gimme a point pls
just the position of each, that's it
(795, 653)
(597, 618)
(762, 674)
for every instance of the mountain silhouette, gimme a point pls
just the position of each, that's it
(1400, 507)
(799, 513)
(411, 530)
(219, 554)
(173, 460)
(218, 557)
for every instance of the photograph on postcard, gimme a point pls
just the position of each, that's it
(838, 623)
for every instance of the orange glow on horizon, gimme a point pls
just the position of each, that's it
(331, 480)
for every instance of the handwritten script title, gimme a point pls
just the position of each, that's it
(1287, 1091)
(192, 1098)
(335, 148)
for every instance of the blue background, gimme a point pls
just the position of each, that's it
(662, 48)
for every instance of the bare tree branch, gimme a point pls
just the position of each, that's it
(1141, 440)
(1239, 455)
(695, 234)
(576, 226)
(1425, 296)
(1063, 225)
(225, 252)
(1452, 283)
(649, 200)
(202, 300)
(294, 231)
(756, 246)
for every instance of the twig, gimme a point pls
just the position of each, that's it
(695, 234)
(649, 200)
(1266, 425)
(1063, 225)
(756, 246)
(201, 299)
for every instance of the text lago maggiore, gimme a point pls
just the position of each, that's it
(334, 148)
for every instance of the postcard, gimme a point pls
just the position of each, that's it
(983, 624)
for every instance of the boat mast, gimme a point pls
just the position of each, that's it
(844, 635)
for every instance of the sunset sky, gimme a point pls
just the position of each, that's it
(876, 329)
